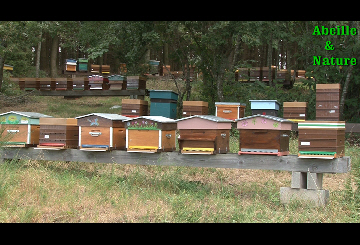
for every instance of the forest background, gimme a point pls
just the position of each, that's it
(215, 48)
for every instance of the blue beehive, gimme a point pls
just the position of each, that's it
(163, 103)
(265, 107)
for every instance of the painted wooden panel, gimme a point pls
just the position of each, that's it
(264, 139)
(265, 104)
(259, 122)
(14, 133)
(13, 118)
(95, 136)
(143, 138)
(200, 123)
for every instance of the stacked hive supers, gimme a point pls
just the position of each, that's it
(191, 108)
(323, 139)
(328, 102)
(134, 107)
(58, 133)
(295, 111)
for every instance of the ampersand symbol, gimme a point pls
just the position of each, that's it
(328, 46)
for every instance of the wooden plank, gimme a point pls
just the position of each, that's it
(89, 92)
(229, 160)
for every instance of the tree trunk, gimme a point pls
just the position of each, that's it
(38, 52)
(2, 61)
(344, 92)
(53, 56)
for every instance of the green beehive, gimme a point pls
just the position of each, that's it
(163, 103)
(83, 64)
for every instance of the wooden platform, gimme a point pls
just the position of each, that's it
(99, 92)
(229, 160)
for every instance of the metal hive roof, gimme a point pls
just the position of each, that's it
(106, 115)
(160, 119)
(27, 114)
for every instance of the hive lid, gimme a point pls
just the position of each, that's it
(229, 103)
(208, 117)
(26, 114)
(279, 119)
(160, 119)
(106, 115)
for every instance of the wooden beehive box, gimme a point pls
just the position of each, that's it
(29, 83)
(62, 83)
(83, 64)
(163, 103)
(134, 107)
(191, 108)
(96, 82)
(95, 68)
(46, 83)
(105, 69)
(264, 134)
(295, 111)
(80, 83)
(328, 102)
(20, 129)
(117, 82)
(101, 132)
(254, 74)
(58, 133)
(150, 134)
(70, 65)
(230, 110)
(265, 107)
(321, 139)
(242, 74)
(204, 134)
(135, 82)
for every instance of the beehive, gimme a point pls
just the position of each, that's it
(20, 128)
(204, 134)
(101, 132)
(46, 83)
(96, 82)
(163, 103)
(83, 64)
(70, 65)
(265, 107)
(242, 74)
(150, 134)
(328, 102)
(134, 107)
(58, 133)
(321, 139)
(80, 83)
(264, 134)
(135, 82)
(295, 111)
(117, 82)
(191, 108)
(230, 110)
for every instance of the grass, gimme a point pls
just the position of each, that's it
(51, 191)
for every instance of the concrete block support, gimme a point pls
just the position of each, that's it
(317, 197)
